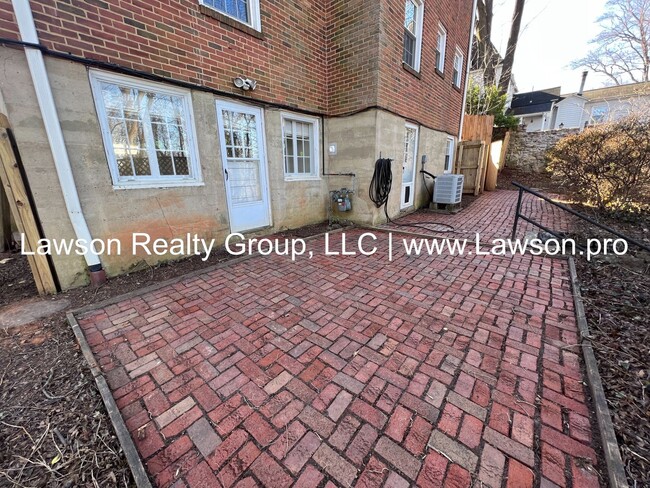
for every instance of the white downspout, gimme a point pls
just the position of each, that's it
(469, 66)
(50, 117)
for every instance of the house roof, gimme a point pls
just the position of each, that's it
(616, 91)
(535, 101)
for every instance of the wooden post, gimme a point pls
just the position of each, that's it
(23, 213)
(5, 221)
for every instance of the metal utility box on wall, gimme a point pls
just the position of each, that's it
(448, 189)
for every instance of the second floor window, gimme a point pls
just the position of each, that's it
(458, 68)
(441, 47)
(245, 11)
(413, 14)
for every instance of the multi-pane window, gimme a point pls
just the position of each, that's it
(458, 68)
(245, 11)
(413, 14)
(147, 132)
(441, 46)
(300, 147)
(599, 114)
(449, 155)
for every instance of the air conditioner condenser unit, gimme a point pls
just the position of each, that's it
(448, 189)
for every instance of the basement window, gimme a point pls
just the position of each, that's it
(300, 147)
(413, 15)
(449, 155)
(148, 132)
(458, 68)
(245, 11)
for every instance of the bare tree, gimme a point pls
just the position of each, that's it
(622, 49)
(486, 56)
(508, 61)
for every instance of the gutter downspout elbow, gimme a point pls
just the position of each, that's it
(41, 82)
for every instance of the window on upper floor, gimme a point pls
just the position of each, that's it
(599, 114)
(413, 15)
(147, 130)
(245, 11)
(300, 147)
(449, 155)
(458, 68)
(441, 47)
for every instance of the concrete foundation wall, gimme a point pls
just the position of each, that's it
(361, 139)
(202, 210)
(116, 214)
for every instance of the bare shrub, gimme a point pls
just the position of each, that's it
(606, 165)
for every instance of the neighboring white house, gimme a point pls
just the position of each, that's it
(548, 110)
(477, 72)
(534, 108)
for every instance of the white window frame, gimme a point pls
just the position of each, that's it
(419, 23)
(458, 55)
(255, 21)
(126, 182)
(315, 147)
(451, 140)
(441, 32)
(605, 109)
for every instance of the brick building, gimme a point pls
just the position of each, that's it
(214, 116)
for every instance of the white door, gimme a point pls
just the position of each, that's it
(244, 164)
(408, 166)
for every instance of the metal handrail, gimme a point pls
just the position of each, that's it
(518, 215)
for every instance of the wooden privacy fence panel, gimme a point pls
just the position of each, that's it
(471, 163)
(21, 208)
(478, 128)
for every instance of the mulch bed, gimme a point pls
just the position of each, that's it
(616, 294)
(54, 429)
(16, 280)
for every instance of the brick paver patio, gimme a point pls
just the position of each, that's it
(342, 371)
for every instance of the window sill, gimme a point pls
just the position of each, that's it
(411, 70)
(440, 73)
(302, 178)
(235, 24)
(457, 88)
(161, 185)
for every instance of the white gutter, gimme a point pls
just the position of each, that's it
(469, 64)
(50, 117)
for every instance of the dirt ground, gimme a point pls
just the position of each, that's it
(616, 294)
(54, 429)
(16, 280)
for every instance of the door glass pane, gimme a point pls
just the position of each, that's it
(244, 181)
(409, 155)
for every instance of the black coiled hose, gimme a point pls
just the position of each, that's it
(381, 183)
(379, 191)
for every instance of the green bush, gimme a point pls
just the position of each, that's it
(489, 101)
(606, 165)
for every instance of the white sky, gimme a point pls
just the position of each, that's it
(553, 33)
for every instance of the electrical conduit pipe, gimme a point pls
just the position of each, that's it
(41, 82)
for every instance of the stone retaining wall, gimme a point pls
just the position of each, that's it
(527, 150)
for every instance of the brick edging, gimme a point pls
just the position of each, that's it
(615, 469)
(132, 457)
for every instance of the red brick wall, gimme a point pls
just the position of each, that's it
(173, 38)
(353, 39)
(430, 100)
(329, 56)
